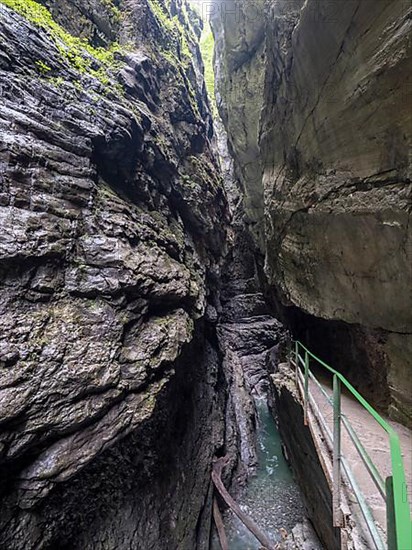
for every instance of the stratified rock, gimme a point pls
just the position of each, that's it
(329, 122)
(302, 537)
(239, 30)
(113, 224)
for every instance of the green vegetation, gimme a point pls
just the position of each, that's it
(175, 31)
(175, 46)
(57, 81)
(189, 182)
(43, 67)
(78, 52)
(114, 10)
(206, 47)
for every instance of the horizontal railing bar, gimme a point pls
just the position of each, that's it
(301, 360)
(363, 505)
(375, 475)
(373, 471)
(354, 392)
(403, 524)
(366, 511)
(318, 416)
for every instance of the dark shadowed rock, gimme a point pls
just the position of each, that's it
(113, 225)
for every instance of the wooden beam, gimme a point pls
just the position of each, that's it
(218, 466)
(217, 516)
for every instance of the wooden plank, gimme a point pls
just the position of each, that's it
(217, 516)
(218, 466)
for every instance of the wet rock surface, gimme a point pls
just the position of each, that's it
(135, 493)
(302, 537)
(329, 133)
(248, 335)
(252, 342)
(239, 30)
(113, 221)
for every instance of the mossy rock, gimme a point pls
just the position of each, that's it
(78, 52)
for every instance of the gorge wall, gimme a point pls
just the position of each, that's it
(315, 97)
(137, 299)
(113, 228)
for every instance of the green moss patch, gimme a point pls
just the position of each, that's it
(175, 33)
(78, 52)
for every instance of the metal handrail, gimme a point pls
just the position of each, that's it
(373, 471)
(399, 525)
(338, 520)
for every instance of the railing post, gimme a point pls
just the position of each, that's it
(306, 400)
(398, 519)
(337, 514)
(390, 515)
(297, 364)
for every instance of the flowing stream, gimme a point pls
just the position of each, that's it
(272, 498)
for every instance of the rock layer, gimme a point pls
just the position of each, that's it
(333, 140)
(113, 226)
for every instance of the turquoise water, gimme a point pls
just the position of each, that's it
(272, 498)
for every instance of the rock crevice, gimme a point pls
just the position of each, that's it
(330, 138)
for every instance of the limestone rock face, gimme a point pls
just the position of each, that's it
(240, 70)
(112, 218)
(250, 340)
(334, 142)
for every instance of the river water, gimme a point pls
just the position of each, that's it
(272, 498)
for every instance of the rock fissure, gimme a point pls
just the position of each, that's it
(156, 260)
(327, 134)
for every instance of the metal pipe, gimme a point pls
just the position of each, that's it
(306, 399)
(373, 471)
(337, 513)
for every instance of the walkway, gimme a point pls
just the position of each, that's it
(361, 435)
(375, 441)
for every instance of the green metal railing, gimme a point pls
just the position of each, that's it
(393, 489)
